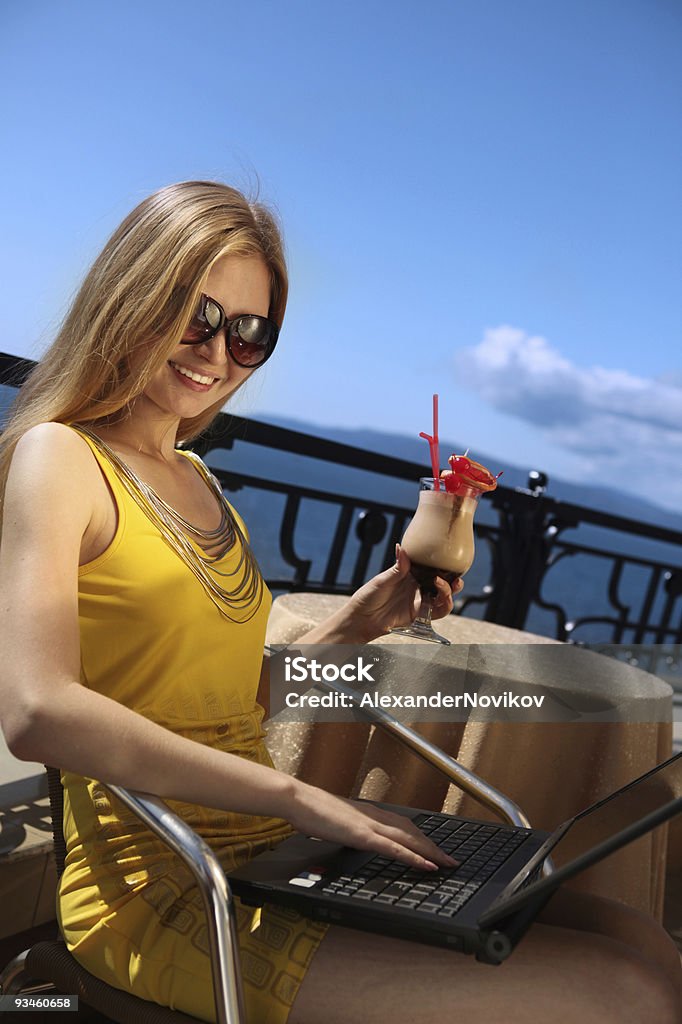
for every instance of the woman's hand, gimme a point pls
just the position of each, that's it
(315, 812)
(392, 599)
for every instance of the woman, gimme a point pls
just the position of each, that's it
(134, 618)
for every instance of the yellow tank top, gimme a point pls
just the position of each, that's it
(152, 639)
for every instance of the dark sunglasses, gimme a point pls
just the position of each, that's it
(250, 339)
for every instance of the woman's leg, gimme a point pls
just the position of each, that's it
(556, 974)
(640, 932)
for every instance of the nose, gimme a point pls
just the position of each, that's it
(215, 349)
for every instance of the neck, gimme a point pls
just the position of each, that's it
(146, 431)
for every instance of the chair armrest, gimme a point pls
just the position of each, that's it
(215, 891)
(462, 777)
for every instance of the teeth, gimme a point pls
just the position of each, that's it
(193, 376)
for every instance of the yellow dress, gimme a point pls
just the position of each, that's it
(153, 640)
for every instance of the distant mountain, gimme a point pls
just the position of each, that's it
(604, 499)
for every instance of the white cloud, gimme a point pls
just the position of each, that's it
(627, 428)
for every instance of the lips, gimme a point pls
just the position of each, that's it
(193, 378)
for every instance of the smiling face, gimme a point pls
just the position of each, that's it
(198, 376)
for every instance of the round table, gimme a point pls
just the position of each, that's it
(551, 769)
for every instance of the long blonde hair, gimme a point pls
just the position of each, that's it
(145, 284)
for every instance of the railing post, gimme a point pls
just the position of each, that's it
(521, 551)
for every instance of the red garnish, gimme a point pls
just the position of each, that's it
(459, 463)
(451, 481)
(465, 473)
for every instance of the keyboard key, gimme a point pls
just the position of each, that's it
(398, 889)
(375, 885)
(437, 899)
(408, 902)
(424, 889)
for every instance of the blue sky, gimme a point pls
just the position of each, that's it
(479, 198)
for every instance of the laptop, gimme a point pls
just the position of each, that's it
(484, 906)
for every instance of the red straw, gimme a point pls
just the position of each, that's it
(433, 445)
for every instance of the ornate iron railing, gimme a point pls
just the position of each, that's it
(635, 597)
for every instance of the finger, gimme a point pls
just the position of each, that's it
(420, 844)
(443, 603)
(444, 589)
(410, 843)
(419, 851)
(396, 850)
(375, 835)
(402, 562)
(404, 831)
(398, 571)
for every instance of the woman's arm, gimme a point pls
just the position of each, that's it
(47, 715)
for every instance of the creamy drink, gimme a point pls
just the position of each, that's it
(440, 538)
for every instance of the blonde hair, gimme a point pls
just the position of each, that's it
(145, 284)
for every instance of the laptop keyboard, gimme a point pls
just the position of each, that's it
(480, 848)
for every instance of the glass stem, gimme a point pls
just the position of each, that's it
(425, 609)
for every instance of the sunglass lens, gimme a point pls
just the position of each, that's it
(213, 314)
(204, 323)
(252, 340)
(197, 331)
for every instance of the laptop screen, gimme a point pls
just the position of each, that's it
(576, 838)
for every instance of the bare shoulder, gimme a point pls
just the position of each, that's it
(53, 444)
(51, 438)
(55, 461)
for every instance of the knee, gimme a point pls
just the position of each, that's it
(658, 997)
(642, 993)
(604, 981)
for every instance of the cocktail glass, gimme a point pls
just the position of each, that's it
(439, 541)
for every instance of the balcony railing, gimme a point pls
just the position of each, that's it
(557, 568)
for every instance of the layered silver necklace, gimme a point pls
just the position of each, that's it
(243, 594)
